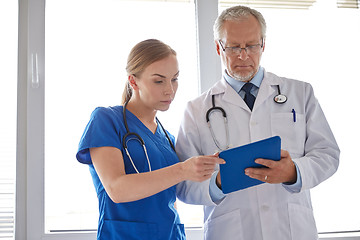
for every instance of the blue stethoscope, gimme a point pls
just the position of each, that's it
(279, 98)
(135, 136)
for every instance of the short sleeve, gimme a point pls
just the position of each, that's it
(102, 130)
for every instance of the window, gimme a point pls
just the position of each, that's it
(279, 4)
(38, 102)
(38, 130)
(85, 68)
(8, 26)
(313, 46)
(348, 3)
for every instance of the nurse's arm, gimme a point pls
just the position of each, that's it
(122, 187)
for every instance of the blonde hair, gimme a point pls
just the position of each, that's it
(141, 56)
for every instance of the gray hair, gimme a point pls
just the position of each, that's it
(237, 13)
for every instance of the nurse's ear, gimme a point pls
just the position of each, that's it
(132, 81)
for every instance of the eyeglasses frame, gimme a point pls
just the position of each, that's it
(239, 49)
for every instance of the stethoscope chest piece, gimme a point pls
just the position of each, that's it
(280, 98)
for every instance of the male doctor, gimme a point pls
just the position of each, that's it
(258, 105)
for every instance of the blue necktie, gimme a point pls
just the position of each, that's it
(249, 98)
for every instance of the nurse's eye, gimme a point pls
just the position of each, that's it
(158, 81)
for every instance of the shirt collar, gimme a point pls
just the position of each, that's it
(237, 85)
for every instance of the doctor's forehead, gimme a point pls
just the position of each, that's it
(242, 31)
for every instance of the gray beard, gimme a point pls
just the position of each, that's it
(246, 78)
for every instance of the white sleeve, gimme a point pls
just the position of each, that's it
(188, 144)
(322, 153)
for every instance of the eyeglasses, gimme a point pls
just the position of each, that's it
(252, 49)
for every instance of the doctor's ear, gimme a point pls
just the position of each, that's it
(132, 81)
(217, 47)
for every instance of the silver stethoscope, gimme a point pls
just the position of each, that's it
(279, 98)
(135, 136)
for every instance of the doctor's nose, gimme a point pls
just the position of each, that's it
(243, 54)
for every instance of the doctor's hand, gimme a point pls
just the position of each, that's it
(283, 171)
(200, 168)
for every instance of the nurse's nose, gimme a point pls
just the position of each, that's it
(169, 89)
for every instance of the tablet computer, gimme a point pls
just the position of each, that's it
(237, 159)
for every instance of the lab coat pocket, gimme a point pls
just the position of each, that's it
(227, 226)
(291, 128)
(302, 223)
(123, 230)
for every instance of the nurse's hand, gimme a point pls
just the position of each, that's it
(283, 171)
(201, 168)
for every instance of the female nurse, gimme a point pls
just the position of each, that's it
(136, 188)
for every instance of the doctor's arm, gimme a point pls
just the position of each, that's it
(122, 187)
(321, 152)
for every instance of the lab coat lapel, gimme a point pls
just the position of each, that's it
(266, 89)
(232, 97)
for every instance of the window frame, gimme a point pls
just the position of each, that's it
(30, 121)
(29, 216)
(30, 183)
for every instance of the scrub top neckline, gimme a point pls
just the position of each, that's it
(134, 117)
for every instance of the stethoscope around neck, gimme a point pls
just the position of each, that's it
(134, 136)
(208, 113)
(279, 98)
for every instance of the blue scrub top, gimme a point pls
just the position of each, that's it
(153, 217)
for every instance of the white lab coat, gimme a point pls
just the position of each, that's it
(266, 211)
